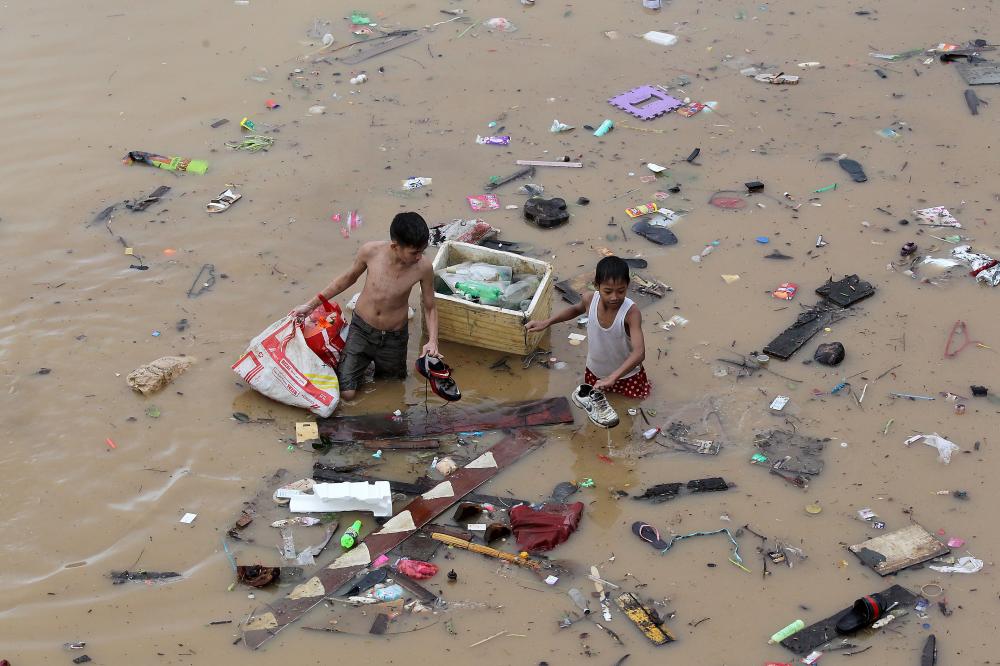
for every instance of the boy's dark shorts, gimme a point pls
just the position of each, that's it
(366, 344)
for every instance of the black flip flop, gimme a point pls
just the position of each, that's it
(650, 535)
(437, 372)
(654, 233)
(854, 169)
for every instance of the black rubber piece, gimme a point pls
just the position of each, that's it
(654, 233)
(546, 213)
(855, 170)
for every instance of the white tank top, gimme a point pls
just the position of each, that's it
(607, 348)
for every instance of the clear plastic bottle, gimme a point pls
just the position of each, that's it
(482, 272)
(579, 600)
(519, 291)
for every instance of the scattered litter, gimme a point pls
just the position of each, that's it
(478, 202)
(153, 376)
(786, 291)
(253, 143)
(945, 447)
(188, 518)
(499, 24)
(122, 577)
(966, 565)
(184, 164)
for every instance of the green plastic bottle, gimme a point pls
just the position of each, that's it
(480, 290)
(350, 537)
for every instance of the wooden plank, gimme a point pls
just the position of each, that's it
(275, 617)
(401, 444)
(897, 550)
(447, 419)
(571, 165)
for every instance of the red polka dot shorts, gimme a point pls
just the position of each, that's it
(637, 386)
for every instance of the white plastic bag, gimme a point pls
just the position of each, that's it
(945, 447)
(279, 364)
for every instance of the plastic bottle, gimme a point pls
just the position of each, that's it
(661, 38)
(416, 569)
(482, 272)
(790, 630)
(481, 290)
(604, 128)
(579, 600)
(651, 433)
(520, 291)
(389, 593)
(350, 537)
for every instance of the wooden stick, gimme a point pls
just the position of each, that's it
(489, 638)
(484, 550)
(572, 165)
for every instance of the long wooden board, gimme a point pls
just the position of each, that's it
(275, 617)
(452, 418)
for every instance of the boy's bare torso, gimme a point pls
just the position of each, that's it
(384, 300)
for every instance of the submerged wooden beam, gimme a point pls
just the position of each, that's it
(418, 423)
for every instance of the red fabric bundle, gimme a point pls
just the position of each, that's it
(545, 528)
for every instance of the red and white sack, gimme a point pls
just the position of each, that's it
(280, 364)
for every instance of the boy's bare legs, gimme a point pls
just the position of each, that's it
(348, 395)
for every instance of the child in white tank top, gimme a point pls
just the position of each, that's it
(615, 344)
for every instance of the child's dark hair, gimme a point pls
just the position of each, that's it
(410, 230)
(611, 269)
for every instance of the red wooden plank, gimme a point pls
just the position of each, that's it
(452, 418)
(397, 529)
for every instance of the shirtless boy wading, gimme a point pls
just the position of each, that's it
(379, 328)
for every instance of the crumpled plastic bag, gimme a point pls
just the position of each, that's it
(945, 447)
(544, 528)
(979, 261)
(154, 376)
(967, 565)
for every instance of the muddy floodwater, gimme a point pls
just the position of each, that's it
(95, 477)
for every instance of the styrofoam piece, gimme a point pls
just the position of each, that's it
(333, 497)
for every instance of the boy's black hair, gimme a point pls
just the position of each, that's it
(410, 230)
(611, 269)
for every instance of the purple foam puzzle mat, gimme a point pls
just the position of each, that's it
(645, 102)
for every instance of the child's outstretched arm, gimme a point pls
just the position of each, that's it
(633, 319)
(339, 283)
(565, 314)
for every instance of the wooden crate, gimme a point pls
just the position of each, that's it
(490, 326)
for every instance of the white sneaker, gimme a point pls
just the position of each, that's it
(596, 405)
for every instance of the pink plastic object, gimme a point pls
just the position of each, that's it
(955, 542)
(645, 102)
(416, 569)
